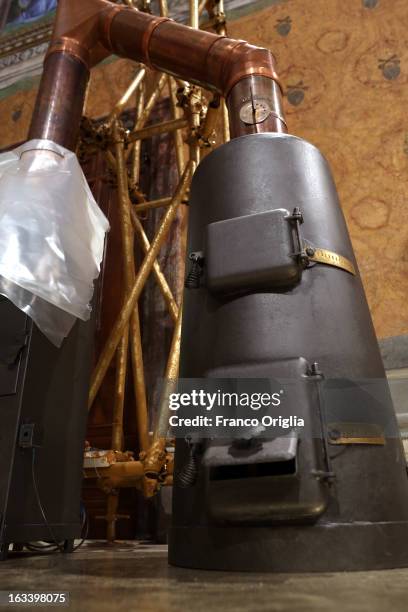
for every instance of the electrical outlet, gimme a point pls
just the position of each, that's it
(26, 435)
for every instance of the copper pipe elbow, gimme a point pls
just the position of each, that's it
(232, 60)
(213, 61)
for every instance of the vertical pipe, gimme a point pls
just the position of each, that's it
(194, 16)
(222, 31)
(176, 111)
(60, 100)
(111, 516)
(120, 384)
(137, 147)
(255, 106)
(178, 137)
(128, 254)
(155, 456)
(172, 372)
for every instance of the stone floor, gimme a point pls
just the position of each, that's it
(133, 576)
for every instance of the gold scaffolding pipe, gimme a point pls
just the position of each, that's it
(155, 457)
(211, 119)
(120, 384)
(128, 253)
(151, 102)
(148, 108)
(194, 122)
(164, 9)
(177, 113)
(159, 128)
(144, 271)
(202, 6)
(160, 278)
(222, 31)
(120, 105)
(152, 204)
(194, 14)
(122, 351)
(171, 375)
(118, 475)
(137, 147)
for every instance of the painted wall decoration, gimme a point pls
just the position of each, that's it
(344, 71)
(27, 11)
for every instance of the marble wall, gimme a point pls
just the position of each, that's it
(344, 69)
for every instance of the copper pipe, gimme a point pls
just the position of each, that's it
(212, 61)
(245, 94)
(85, 32)
(159, 128)
(160, 278)
(144, 271)
(60, 100)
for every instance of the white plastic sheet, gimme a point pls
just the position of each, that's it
(52, 236)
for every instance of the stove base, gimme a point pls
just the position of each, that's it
(331, 547)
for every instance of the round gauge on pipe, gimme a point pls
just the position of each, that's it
(255, 111)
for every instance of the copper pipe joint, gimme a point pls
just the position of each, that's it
(215, 62)
(72, 47)
(246, 60)
(154, 23)
(106, 23)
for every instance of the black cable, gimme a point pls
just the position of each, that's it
(85, 524)
(54, 546)
(40, 506)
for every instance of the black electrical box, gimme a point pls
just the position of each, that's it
(43, 413)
